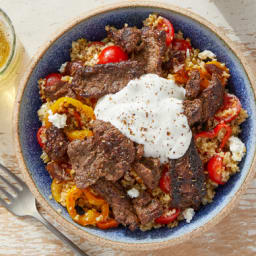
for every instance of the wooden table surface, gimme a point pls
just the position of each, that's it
(34, 22)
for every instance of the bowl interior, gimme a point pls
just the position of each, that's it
(93, 29)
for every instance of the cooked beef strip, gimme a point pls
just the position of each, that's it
(71, 67)
(212, 98)
(57, 90)
(149, 171)
(139, 151)
(56, 144)
(211, 68)
(129, 38)
(102, 79)
(153, 52)
(193, 111)
(193, 85)
(187, 180)
(176, 61)
(107, 154)
(147, 208)
(119, 202)
(57, 172)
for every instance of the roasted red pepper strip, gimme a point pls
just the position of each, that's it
(214, 133)
(165, 180)
(214, 168)
(111, 223)
(168, 216)
(230, 110)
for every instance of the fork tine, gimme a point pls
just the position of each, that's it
(9, 184)
(16, 178)
(7, 194)
(3, 203)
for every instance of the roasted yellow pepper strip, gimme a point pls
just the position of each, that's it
(56, 189)
(92, 216)
(66, 101)
(78, 134)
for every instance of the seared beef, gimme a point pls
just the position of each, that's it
(71, 67)
(193, 111)
(149, 171)
(57, 90)
(211, 68)
(147, 209)
(177, 60)
(57, 172)
(212, 98)
(193, 85)
(187, 180)
(119, 202)
(139, 151)
(129, 38)
(153, 51)
(102, 79)
(107, 154)
(56, 144)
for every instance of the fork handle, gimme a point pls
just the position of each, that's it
(55, 231)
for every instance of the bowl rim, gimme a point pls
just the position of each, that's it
(30, 182)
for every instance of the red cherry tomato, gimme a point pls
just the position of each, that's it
(165, 181)
(168, 216)
(167, 26)
(112, 54)
(40, 131)
(52, 79)
(230, 110)
(181, 44)
(214, 168)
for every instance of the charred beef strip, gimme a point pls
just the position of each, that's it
(212, 98)
(71, 67)
(193, 111)
(187, 180)
(149, 171)
(107, 154)
(153, 52)
(119, 202)
(57, 90)
(147, 208)
(207, 104)
(102, 79)
(193, 85)
(129, 38)
(56, 144)
(57, 172)
(211, 68)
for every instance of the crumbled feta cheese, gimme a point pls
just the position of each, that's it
(57, 120)
(188, 214)
(43, 110)
(133, 193)
(62, 67)
(206, 54)
(237, 148)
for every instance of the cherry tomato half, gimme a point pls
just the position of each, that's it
(40, 131)
(167, 26)
(165, 181)
(181, 44)
(214, 168)
(230, 110)
(52, 79)
(112, 54)
(168, 216)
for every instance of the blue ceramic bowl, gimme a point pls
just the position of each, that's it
(91, 26)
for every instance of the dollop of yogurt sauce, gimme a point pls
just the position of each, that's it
(149, 111)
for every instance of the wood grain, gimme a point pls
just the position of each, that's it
(235, 235)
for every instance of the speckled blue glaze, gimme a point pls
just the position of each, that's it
(93, 29)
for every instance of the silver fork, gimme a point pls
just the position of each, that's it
(24, 204)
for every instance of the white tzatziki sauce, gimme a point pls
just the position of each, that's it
(149, 111)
